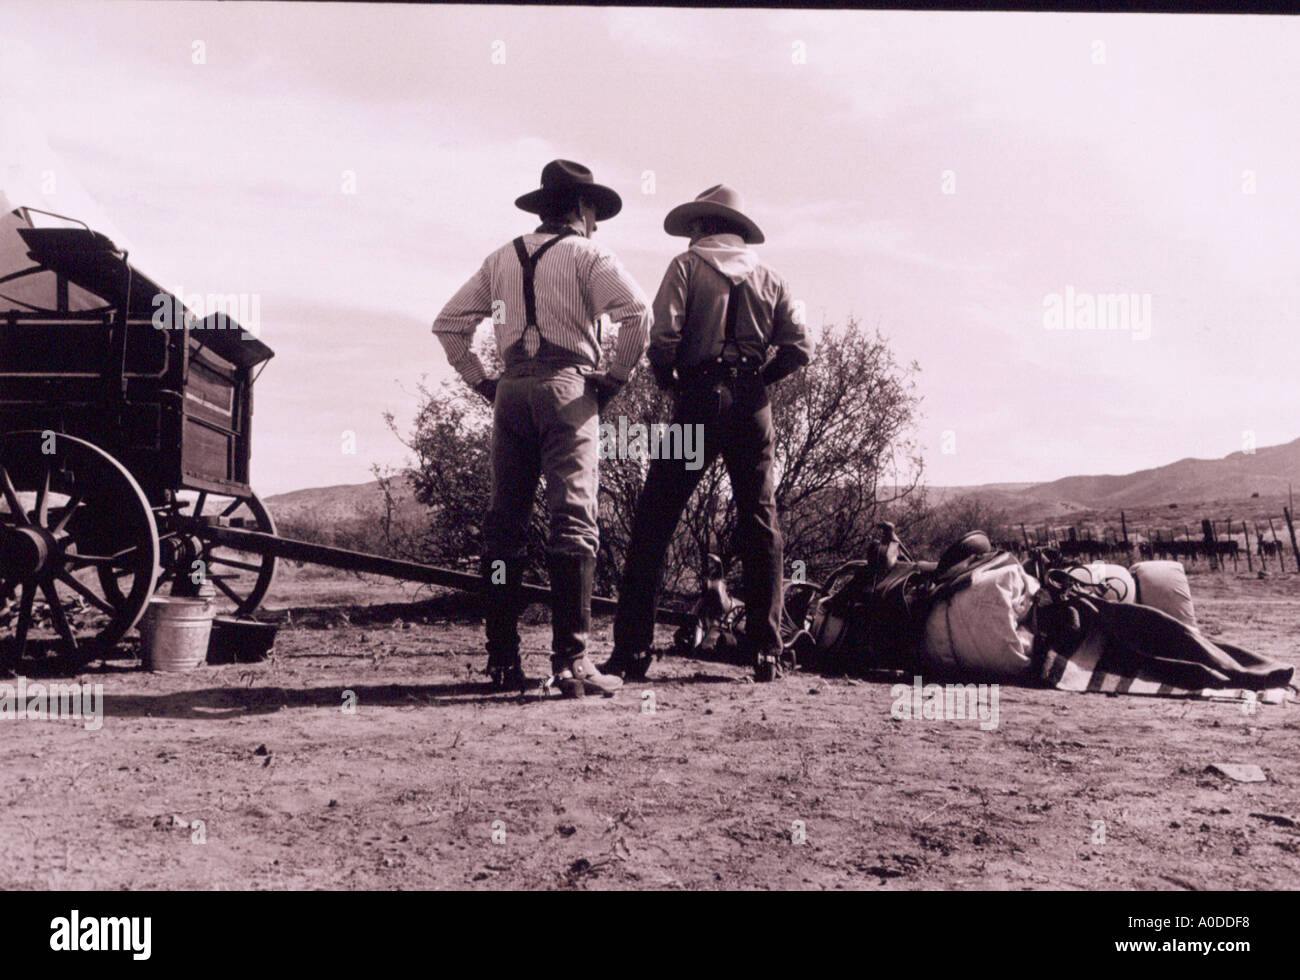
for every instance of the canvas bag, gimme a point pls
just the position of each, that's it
(983, 627)
(977, 618)
(1163, 585)
(876, 619)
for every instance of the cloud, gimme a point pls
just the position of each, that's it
(235, 175)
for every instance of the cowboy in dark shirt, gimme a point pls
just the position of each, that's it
(717, 316)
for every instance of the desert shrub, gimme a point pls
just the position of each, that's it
(362, 533)
(844, 455)
(927, 528)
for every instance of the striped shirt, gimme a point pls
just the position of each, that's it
(575, 282)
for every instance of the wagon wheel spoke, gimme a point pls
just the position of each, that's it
(230, 593)
(56, 613)
(214, 559)
(68, 511)
(11, 498)
(85, 592)
(24, 620)
(43, 496)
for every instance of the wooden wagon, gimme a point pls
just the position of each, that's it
(125, 444)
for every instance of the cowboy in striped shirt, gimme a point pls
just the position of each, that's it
(545, 293)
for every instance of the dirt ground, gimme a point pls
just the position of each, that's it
(258, 776)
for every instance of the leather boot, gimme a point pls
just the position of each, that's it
(767, 667)
(629, 666)
(502, 604)
(571, 585)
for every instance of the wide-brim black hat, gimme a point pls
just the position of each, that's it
(562, 181)
(718, 201)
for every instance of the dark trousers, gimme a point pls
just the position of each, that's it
(737, 420)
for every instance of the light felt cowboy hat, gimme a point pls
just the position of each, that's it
(720, 201)
(561, 179)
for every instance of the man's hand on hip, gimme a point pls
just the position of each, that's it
(606, 386)
(665, 378)
(488, 389)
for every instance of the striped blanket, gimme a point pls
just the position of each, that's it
(1090, 667)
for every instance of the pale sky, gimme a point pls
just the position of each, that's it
(1104, 153)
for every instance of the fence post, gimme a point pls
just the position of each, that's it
(1281, 565)
(1295, 549)
(1207, 534)
(1250, 567)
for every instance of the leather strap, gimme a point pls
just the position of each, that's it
(733, 312)
(529, 265)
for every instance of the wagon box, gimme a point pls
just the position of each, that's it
(118, 441)
(189, 390)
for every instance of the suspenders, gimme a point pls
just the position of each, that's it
(733, 310)
(529, 264)
(719, 367)
(729, 325)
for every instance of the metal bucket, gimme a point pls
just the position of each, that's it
(174, 633)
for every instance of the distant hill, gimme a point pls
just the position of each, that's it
(346, 502)
(347, 516)
(1265, 471)
(1189, 483)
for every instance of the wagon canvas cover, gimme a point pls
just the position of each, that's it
(25, 285)
(46, 264)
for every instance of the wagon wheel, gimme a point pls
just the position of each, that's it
(72, 518)
(243, 577)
